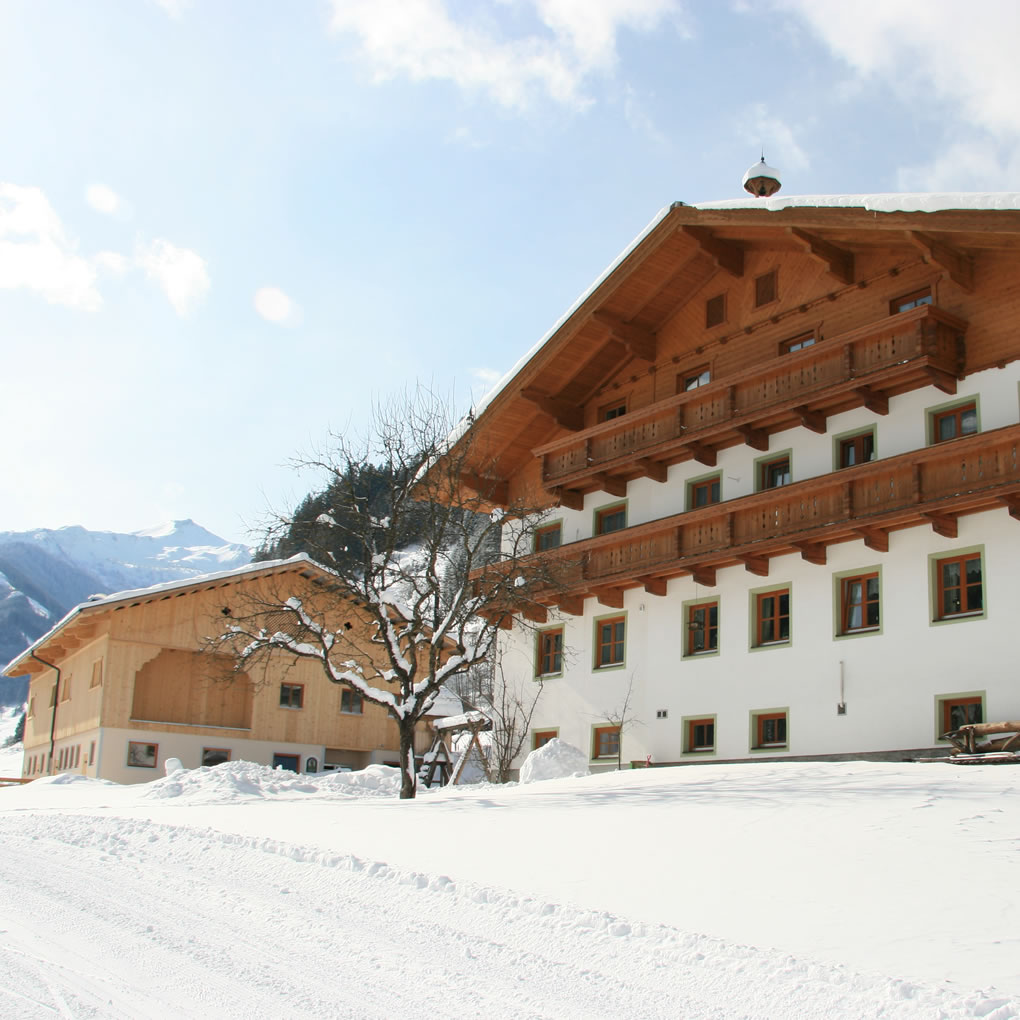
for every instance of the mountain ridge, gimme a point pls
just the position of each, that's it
(45, 572)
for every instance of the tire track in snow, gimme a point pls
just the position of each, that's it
(210, 922)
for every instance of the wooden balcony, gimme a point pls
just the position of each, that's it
(932, 487)
(864, 367)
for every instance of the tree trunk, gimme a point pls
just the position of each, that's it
(408, 773)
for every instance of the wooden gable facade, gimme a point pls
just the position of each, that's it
(127, 681)
(722, 328)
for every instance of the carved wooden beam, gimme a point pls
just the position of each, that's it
(878, 403)
(1011, 501)
(757, 439)
(703, 454)
(570, 498)
(571, 606)
(611, 597)
(612, 484)
(640, 341)
(942, 524)
(537, 614)
(496, 490)
(957, 265)
(654, 585)
(725, 254)
(705, 576)
(756, 565)
(653, 469)
(875, 538)
(813, 420)
(563, 412)
(838, 261)
(941, 380)
(813, 552)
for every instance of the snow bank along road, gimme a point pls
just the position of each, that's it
(106, 916)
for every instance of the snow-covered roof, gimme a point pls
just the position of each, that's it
(136, 594)
(937, 201)
(446, 704)
(452, 722)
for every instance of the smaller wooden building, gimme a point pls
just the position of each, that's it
(124, 682)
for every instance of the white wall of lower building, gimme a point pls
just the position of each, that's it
(114, 743)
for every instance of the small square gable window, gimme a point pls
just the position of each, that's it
(715, 311)
(766, 288)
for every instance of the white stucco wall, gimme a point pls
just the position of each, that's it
(113, 751)
(892, 677)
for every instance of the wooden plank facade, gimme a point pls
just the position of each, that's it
(124, 682)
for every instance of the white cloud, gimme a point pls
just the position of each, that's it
(763, 129)
(112, 262)
(275, 306)
(37, 255)
(180, 272)
(175, 8)
(421, 40)
(102, 198)
(946, 58)
(979, 164)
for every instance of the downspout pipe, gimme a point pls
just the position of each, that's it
(53, 714)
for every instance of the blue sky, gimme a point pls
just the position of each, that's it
(230, 226)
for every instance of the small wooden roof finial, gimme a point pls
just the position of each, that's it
(762, 180)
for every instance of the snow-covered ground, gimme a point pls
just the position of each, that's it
(763, 890)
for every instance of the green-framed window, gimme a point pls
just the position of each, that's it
(610, 641)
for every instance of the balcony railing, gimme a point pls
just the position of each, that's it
(930, 486)
(864, 366)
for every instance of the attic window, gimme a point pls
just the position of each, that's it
(766, 288)
(612, 411)
(693, 378)
(715, 311)
(907, 301)
(797, 343)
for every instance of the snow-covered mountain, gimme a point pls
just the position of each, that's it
(44, 573)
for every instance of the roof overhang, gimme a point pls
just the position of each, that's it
(79, 625)
(612, 327)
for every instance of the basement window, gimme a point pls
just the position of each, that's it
(606, 743)
(699, 735)
(769, 730)
(142, 755)
(955, 710)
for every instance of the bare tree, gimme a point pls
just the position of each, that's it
(623, 719)
(428, 612)
(510, 708)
